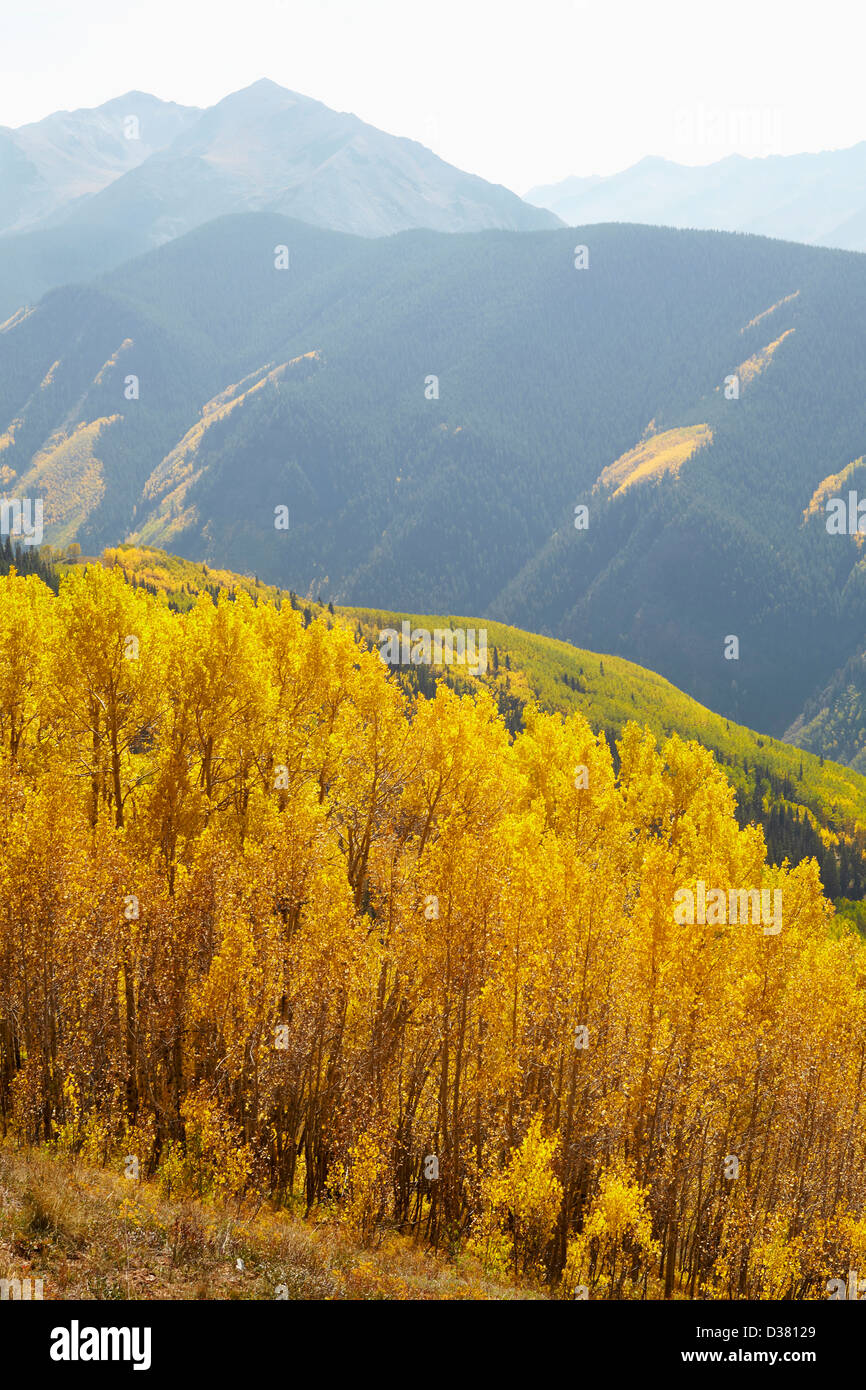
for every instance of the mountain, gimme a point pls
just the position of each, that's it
(269, 148)
(314, 389)
(815, 198)
(51, 164)
(90, 198)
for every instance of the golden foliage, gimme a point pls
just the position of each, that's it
(788, 299)
(277, 929)
(654, 456)
(68, 472)
(830, 486)
(759, 361)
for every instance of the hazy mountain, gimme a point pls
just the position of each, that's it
(269, 148)
(310, 388)
(71, 155)
(90, 198)
(817, 198)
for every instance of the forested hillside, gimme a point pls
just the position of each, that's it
(24, 560)
(260, 911)
(416, 422)
(806, 806)
(834, 723)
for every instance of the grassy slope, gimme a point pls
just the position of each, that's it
(90, 1233)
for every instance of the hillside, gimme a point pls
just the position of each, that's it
(834, 721)
(179, 581)
(805, 804)
(431, 411)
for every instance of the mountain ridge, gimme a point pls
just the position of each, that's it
(71, 217)
(809, 197)
(456, 398)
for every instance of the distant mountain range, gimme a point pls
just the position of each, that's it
(83, 191)
(432, 408)
(814, 198)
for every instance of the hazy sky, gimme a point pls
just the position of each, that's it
(519, 92)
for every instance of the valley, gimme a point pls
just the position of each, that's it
(559, 389)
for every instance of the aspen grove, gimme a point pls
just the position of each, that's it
(282, 931)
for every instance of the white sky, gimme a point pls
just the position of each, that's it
(519, 91)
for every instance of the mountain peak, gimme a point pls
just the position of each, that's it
(263, 94)
(132, 102)
(263, 84)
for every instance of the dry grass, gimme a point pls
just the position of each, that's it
(90, 1233)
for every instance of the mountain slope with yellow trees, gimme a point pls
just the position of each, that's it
(808, 805)
(270, 926)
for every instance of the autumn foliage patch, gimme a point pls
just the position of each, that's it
(279, 931)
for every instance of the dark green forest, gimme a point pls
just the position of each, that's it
(547, 375)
